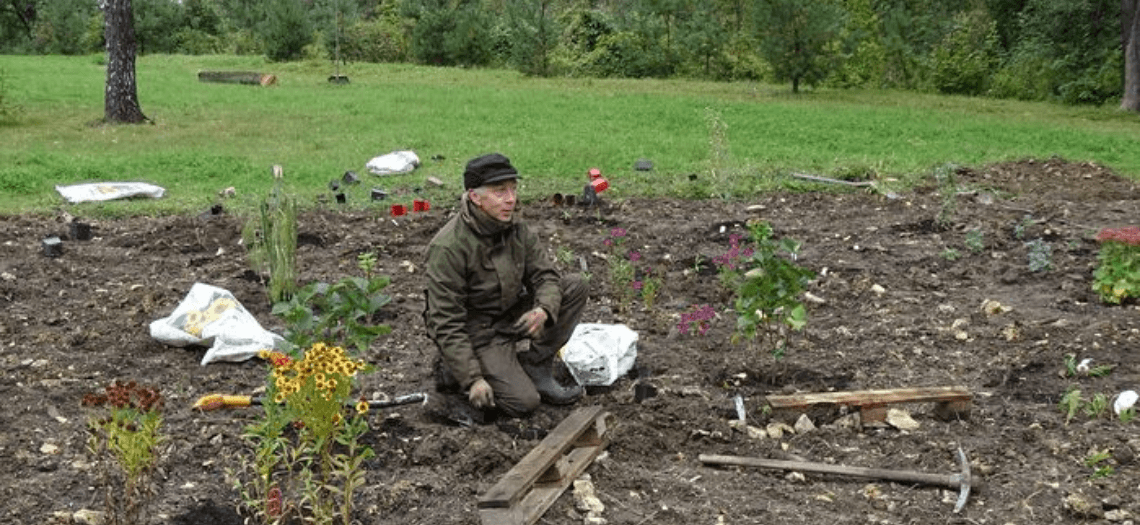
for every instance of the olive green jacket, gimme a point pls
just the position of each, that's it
(482, 274)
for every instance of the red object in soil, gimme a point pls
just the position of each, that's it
(599, 184)
(419, 205)
(594, 173)
(399, 209)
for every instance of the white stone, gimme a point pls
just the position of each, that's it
(901, 419)
(804, 424)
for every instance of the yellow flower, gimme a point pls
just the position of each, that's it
(280, 397)
(337, 418)
(362, 407)
(219, 306)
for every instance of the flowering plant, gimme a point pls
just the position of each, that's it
(697, 319)
(766, 283)
(125, 435)
(308, 456)
(1117, 276)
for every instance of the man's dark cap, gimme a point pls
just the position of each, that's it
(489, 168)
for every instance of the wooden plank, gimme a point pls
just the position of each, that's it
(872, 398)
(514, 484)
(525, 492)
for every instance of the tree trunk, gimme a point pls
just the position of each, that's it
(1130, 15)
(121, 101)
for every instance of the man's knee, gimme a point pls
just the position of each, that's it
(518, 403)
(573, 285)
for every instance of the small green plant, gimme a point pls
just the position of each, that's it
(308, 459)
(650, 288)
(766, 284)
(125, 433)
(1070, 365)
(1040, 255)
(1126, 415)
(1097, 405)
(975, 241)
(272, 240)
(948, 189)
(950, 254)
(1020, 227)
(1101, 370)
(1071, 403)
(1117, 276)
(621, 269)
(1099, 461)
(341, 313)
(564, 256)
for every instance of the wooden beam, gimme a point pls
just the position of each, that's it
(949, 400)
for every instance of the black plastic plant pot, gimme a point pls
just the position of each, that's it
(350, 177)
(53, 247)
(338, 79)
(80, 231)
(643, 391)
(379, 194)
(341, 198)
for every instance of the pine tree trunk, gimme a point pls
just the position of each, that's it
(1130, 21)
(121, 101)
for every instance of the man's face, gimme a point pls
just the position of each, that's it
(497, 199)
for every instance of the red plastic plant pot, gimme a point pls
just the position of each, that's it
(594, 173)
(599, 184)
(399, 209)
(420, 205)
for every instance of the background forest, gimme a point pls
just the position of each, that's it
(1069, 51)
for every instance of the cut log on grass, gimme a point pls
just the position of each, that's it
(252, 78)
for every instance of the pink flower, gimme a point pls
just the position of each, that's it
(634, 256)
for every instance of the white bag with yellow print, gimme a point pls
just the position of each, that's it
(211, 316)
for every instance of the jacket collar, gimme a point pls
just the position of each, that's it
(482, 224)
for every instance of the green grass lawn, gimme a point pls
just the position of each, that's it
(736, 138)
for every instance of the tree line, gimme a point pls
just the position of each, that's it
(1069, 51)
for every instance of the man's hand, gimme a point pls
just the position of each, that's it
(531, 323)
(480, 394)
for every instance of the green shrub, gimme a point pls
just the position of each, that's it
(376, 41)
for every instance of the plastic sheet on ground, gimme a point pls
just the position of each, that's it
(105, 191)
(393, 163)
(211, 316)
(599, 354)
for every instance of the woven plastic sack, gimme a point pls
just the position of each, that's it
(599, 354)
(211, 316)
(105, 191)
(393, 163)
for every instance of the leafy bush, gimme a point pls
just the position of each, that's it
(766, 284)
(1117, 276)
(379, 41)
(962, 62)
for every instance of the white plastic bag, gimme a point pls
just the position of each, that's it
(393, 163)
(209, 315)
(105, 191)
(598, 354)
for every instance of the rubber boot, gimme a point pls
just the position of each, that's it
(549, 389)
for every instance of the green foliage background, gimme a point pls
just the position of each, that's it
(1065, 51)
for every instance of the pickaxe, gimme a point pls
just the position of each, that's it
(217, 401)
(960, 481)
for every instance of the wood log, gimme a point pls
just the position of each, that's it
(252, 78)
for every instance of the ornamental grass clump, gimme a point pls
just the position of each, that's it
(1117, 276)
(308, 460)
(125, 434)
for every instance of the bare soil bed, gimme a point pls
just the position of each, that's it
(902, 307)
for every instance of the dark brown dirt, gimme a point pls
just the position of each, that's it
(899, 310)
